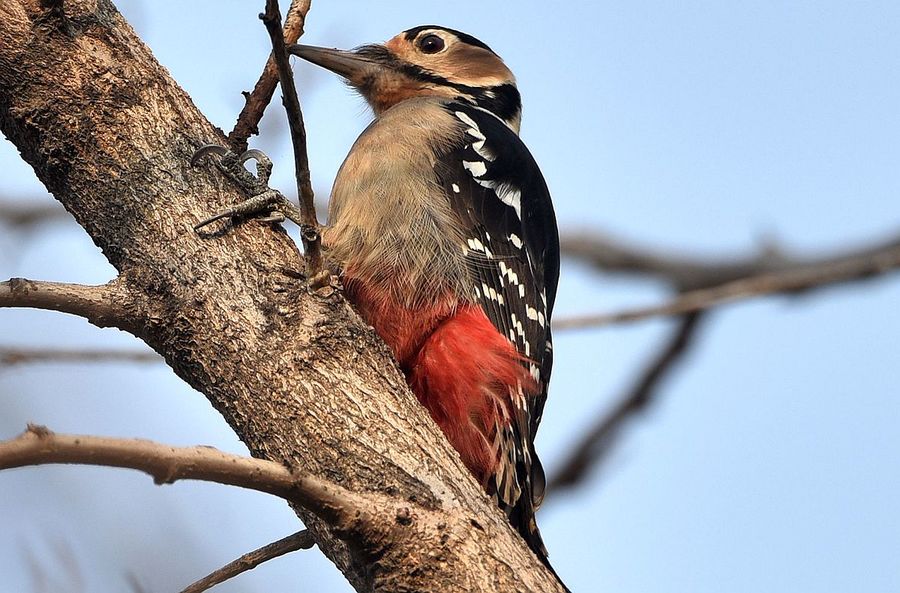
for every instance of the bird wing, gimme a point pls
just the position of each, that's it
(498, 192)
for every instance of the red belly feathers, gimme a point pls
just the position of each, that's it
(456, 362)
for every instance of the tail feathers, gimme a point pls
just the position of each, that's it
(522, 517)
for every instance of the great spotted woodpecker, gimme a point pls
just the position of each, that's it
(443, 227)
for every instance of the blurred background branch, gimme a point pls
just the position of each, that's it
(609, 254)
(593, 448)
(712, 284)
(26, 214)
(14, 356)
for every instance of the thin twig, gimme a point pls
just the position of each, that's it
(594, 447)
(106, 305)
(20, 356)
(255, 106)
(39, 446)
(309, 230)
(302, 540)
(792, 281)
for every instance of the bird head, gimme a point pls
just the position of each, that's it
(429, 61)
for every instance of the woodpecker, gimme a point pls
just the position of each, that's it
(444, 230)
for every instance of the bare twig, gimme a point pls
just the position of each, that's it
(797, 279)
(106, 305)
(302, 540)
(39, 446)
(309, 231)
(20, 356)
(686, 273)
(593, 448)
(26, 215)
(257, 100)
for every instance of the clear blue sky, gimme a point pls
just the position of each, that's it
(770, 465)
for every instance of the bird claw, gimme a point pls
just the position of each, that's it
(232, 165)
(275, 216)
(208, 149)
(264, 203)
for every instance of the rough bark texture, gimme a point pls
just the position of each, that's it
(299, 377)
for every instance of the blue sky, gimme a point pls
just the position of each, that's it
(770, 464)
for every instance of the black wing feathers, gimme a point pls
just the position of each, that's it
(500, 196)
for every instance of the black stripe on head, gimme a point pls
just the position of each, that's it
(411, 34)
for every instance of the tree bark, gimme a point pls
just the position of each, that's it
(298, 376)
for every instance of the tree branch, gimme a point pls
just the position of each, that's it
(594, 447)
(865, 264)
(255, 106)
(39, 446)
(686, 273)
(302, 540)
(10, 356)
(106, 305)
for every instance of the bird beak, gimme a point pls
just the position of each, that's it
(355, 66)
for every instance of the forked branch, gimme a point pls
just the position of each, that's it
(248, 121)
(685, 273)
(794, 280)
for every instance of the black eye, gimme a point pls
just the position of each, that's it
(431, 44)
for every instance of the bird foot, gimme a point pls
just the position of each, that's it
(265, 204)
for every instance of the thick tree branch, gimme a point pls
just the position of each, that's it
(593, 448)
(309, 231)
(106, 305)
(298, 376)
(302, 540)
(248, 121)
(795, 279)
(10, 356)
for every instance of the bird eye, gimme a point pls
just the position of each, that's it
(431, 44)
